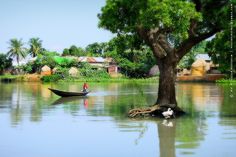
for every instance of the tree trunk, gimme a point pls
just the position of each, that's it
(166, 92)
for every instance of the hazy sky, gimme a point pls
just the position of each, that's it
(59, 23)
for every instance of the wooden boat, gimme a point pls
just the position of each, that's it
(67, 94)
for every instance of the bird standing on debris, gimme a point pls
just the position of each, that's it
(167, 114)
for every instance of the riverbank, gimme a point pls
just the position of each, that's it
(37, 78)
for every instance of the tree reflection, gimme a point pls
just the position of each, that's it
(228, 112)
(166, 136)
(16, 105)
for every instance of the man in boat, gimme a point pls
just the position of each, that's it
(85, 87)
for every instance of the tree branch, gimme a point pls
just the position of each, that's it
(186, 46)
(156, 39)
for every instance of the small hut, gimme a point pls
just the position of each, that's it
(46, 70)
(73, 72)
(199, 68)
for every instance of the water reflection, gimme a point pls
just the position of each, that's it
(208, 106)
(167, 138)
(64, 100)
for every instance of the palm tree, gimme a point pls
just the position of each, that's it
(16, 49)
(35, 46)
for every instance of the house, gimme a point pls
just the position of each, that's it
(210, 66)
(99, 62)
(205, 57)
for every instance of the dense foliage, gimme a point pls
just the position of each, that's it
(51, 78)
(96, 49)
(74, 51)
(220, 50)
(35, 47)
(86, 70)
(134, 58)
(45, 58)
(5, 62)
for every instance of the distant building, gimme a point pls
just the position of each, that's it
(108, 63)
(205, 57)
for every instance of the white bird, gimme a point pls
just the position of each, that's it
(167, 114)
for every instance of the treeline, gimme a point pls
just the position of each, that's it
(130, 53)
(134, 58)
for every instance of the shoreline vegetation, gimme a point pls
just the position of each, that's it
(39, 78)
(25, 78)
(226, 81)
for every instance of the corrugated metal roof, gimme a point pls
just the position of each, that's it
(203, 56)
(93, 59)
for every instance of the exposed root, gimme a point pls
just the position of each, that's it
(143, 111)
(155, 110)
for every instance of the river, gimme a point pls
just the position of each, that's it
(36, 123)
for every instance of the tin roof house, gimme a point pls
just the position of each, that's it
(99, 62)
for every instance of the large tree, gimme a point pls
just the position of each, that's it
(16, 49)
(74, 51)
(170, 28)
(96, 49)
(35, 46)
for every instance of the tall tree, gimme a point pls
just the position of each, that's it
(170, 28)
(73, 51)
(35, 46)
(95, 49)
(16, 49)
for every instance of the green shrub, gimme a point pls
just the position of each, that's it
(65, 62)
(63, 72)
(100, 74)
(86, 70)
(28, 68)
(51, 78)
(5, 62)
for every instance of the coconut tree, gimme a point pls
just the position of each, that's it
(16, 49)
(35, 46)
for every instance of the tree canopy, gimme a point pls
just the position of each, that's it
(74, 51)
(35, 46)
(220, 50)
(96, 49)
(134, 58)
(184, 23)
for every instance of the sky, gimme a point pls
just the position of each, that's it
(58, 23)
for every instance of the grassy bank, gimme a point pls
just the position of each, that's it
(226, 81)
(25, 78)
(94, 79)
(10, 78)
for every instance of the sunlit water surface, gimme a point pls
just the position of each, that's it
(36, 123)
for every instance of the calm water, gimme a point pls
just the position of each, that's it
(36, 123)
